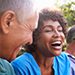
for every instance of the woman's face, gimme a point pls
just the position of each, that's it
(51, 39)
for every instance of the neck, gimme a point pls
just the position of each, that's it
(43, 61)
(70, 50)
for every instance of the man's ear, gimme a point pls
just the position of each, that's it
(6, 20)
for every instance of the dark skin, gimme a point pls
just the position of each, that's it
(44, 64)
(44, 53)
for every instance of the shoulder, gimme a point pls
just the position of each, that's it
(23, 60)
(24, 65)
(62, 64)
(62, 57)
(6, 67)
(72, 62)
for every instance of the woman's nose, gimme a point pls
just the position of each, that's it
(56, 34)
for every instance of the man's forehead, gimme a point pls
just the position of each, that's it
(33, 22)
(31, 25)
(34, 26)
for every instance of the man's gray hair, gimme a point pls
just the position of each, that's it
(71, 35)
(24, 9)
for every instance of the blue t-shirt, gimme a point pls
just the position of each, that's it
(26, 65)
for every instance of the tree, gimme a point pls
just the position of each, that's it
(69, 12)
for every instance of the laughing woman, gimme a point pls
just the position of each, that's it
(44, 56)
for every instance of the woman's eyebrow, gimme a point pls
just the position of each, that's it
(48, 26)
(59, 26)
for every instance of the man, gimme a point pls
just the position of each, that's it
(70, 50)
(18, 19)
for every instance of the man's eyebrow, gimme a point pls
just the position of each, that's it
(48, 26)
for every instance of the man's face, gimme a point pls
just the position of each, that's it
(20, 34)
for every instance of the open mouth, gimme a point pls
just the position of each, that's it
(22, 48)
(56, 44)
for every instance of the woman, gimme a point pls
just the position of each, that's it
(44, 56)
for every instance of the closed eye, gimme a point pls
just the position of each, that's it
(60, 30)
(48, 30)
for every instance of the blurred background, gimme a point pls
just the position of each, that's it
(67, 6)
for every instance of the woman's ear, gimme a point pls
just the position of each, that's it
(6, 20)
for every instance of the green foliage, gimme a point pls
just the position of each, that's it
(21, 52)
(69, 13)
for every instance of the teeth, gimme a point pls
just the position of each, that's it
(56, 42)
(20, 47)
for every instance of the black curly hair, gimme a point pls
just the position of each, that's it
(47, 14)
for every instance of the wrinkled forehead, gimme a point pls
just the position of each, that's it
(33, 21)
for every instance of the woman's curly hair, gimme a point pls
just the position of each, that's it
(44, 15)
